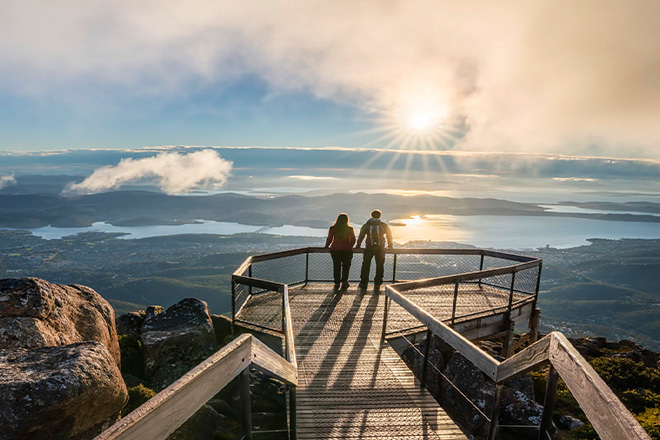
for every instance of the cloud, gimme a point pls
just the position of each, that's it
(549, 75)
(313, 177)
(7, 181)
(172, 172)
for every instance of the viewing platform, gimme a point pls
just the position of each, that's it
(351, 383)
(339, 352)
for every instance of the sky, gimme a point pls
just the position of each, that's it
(553, 77)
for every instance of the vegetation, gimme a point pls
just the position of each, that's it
(637, 385)
(137, 395)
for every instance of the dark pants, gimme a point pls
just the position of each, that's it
(378, 253)
(341, 265)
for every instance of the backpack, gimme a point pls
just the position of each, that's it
(374, 234)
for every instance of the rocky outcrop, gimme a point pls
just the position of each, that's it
(597, 347)
(64, 392)
(176, 340)
(131, 323)
(35, 313)
(59, 367)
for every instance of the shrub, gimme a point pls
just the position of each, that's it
(650, 421)
(625, 374)
(132, 361)
(638, 400)
(136, 397)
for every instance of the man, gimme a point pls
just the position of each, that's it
(375, 231)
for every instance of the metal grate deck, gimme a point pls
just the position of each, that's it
(350, 386)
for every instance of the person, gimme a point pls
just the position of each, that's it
(340, 241)
(376, 232)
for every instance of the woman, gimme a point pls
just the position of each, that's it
(341, 239)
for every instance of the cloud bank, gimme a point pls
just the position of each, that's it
(546, 76)
(172, 172)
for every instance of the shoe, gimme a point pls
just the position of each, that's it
(336, 286)
(345, 286)
(376, 286)
(362, 286)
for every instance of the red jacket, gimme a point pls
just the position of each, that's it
(340, 244)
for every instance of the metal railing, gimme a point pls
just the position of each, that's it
(312, 265)
(609, 417)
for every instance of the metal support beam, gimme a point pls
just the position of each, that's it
(382, 336)
(246, 407)
(429, 341)
(495, 415)
(394, 269)
(453, 306)
(293, 419)
(548, 404)
(233, 306)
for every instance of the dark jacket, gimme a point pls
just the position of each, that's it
(375, 231)
(340, 244)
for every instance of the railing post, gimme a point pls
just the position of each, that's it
(495, 415)
(246, 407)
(394, 269)
(382, 336)
(453, 307)
(429, 341)
(548, 403)
(513, 283)
(286, 340)
(250, 275)
(307, 266)
(538, 285)
(481, 266)
(233, 304)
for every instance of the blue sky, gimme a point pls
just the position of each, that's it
(239, 113)
(550, 77)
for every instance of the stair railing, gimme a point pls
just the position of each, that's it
(609, 417)
(161, 415)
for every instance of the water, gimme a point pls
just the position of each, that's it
(512, 232)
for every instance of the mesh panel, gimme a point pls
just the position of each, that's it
(526, 280)
(241, 295)
(285, 270)
(501, 281)
(497, 262)
(419, 266)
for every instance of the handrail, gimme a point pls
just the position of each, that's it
(475, 355)
(609, 417)
(161, 415)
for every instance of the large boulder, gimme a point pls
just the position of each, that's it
(131, 323)
(176, 340)
(62, 392)
(35, 313)
(59, 367)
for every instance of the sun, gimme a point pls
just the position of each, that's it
(417, 116)
(420, 121)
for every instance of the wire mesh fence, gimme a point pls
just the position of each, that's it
(290, 269)
(448, 301)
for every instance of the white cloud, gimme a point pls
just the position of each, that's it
(549, 75)
(313, 177)
(172, 172)
(7, 181)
